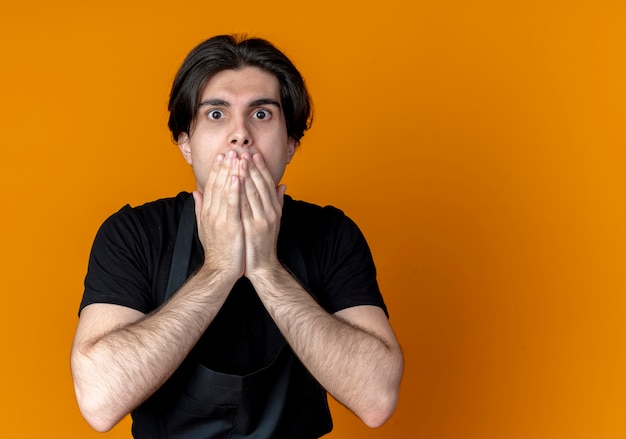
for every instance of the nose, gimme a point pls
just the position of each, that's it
(240, 134)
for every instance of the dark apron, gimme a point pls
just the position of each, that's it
(280, 400)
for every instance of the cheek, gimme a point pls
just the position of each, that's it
(201, 166)
(277, 170)
(201, 179)
(203, 152)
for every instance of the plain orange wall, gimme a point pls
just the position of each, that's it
(479, 145)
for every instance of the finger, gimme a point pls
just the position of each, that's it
(264, 183)
(220, 189)
(198, 199)
(261, 166)
(253, 201)
(246, 211)
(215, 168)
(280, 193)
(234, 198)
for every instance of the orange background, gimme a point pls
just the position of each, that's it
(479, 145)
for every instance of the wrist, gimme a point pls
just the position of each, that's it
(268, 272)
(212, 278)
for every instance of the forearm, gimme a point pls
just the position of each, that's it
(116, 371)
(359, 368)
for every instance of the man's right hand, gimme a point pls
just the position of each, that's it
(218, 214)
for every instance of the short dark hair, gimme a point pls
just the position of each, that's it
(233, 52)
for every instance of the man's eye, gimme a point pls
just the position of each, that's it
(261, 114)
(215, 114)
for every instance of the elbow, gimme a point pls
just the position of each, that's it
(379, 412)
(96, 414)
(383, 403)
(92, 402)
(99, 425)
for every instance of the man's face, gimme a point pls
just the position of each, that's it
(239, 110)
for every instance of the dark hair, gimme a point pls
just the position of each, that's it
(231, 52)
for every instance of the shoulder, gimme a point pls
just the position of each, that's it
(321, 224)
(156, 211)
(308, 214)
(150, 218)
(129, 252)
(338, 260)
(325, 231)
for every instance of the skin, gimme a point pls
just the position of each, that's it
(238, 148)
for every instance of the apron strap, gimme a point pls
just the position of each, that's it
(179, 270)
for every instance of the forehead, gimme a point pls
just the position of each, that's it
(246, 84)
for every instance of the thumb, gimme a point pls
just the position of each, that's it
(198, 198)
(280, 193)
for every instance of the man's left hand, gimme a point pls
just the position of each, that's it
(261, 211)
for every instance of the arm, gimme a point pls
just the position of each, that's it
(353, 353)
(120, 357)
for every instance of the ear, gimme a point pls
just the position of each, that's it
(292, 144)
(185, 147)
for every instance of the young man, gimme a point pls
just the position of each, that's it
(230, 312)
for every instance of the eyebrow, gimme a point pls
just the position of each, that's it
(254, 103)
